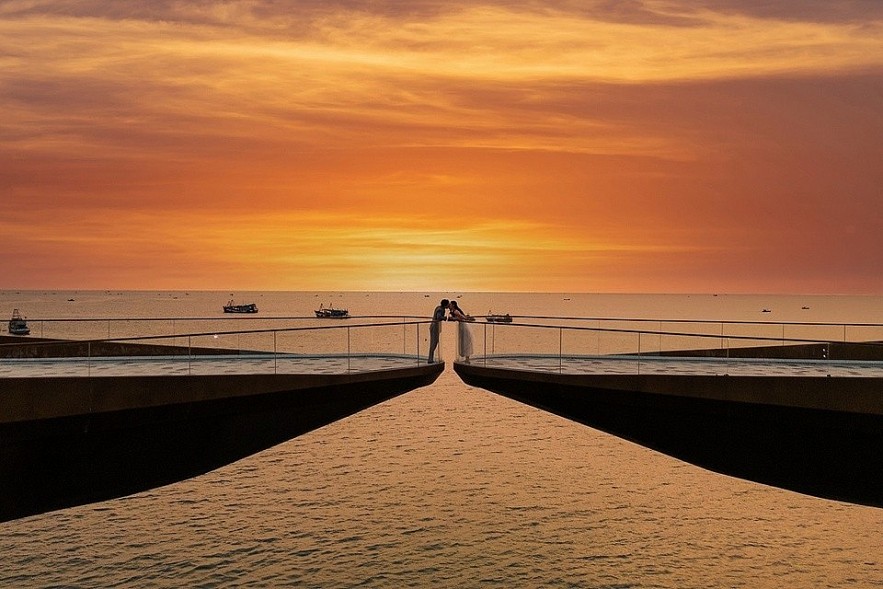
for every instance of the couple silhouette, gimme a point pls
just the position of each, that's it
(455, 313)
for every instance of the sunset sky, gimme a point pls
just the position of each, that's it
(565, 146)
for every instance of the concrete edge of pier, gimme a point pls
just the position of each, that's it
(25, 399)
(74, 440)
(814, 435)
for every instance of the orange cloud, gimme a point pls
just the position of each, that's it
(655, 146)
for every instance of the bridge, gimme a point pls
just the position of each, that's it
(93, 419)
(790, 411)
(798, 406)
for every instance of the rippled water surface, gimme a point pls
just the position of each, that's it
(451, 486)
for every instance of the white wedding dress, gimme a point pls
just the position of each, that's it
(464, 340)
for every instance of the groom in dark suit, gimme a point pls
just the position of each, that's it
(435, 327)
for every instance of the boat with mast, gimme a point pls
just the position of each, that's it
(18, 325)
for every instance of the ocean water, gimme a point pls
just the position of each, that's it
(451, 486)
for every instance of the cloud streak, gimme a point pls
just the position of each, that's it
(640, 132)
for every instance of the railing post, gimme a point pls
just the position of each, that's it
(348, 350)
(274, 352)
(560, 348)
(189, 354)
(485, 344)
(598, 339)
(89, 358)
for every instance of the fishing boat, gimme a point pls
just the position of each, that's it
(231, 307)
(18, 325)
(324, 312)
(498, 318)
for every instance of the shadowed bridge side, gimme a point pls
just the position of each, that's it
(137, 422)
(812, 426)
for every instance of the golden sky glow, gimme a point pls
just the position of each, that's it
(655, 146)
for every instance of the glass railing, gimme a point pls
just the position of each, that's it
(123, 327)
(574, 337)
(318, 346)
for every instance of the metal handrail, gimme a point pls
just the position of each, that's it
(231, 317)
(703, 321)
(681, 333)
(213, 333)
(192, 353)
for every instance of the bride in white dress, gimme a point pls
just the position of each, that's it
(464, 340)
